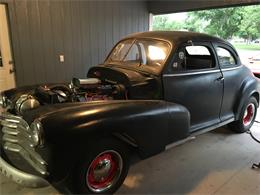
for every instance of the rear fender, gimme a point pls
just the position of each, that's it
(250, 87)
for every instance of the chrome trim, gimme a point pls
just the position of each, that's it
(190, 73)
(201, 72)
(126, 138)
(18, 138)
(183, 141)
(26, 102)
(36, 162)
(234, 68)
(20, 177)
(3, 101)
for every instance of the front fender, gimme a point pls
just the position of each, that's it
(151, 124)
(145, 121)
(71, 128)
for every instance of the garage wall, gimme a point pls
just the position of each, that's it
(82, 31)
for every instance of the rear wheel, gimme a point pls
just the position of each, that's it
(104, 168)
(246, 117)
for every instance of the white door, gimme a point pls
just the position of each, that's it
(6, 62)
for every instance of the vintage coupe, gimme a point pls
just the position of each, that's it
(154, 89)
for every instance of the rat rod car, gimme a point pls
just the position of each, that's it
(154, 89)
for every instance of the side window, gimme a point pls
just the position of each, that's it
(225, 57)
(195, 58)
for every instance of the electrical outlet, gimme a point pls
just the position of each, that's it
(61, 58)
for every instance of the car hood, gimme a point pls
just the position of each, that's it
(47, 110)
(117, 74)
(77, 108)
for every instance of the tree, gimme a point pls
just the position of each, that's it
(159, 22)
(243, 22)
(220, 22)
(194, 23)
(164, 23)
(250, 25)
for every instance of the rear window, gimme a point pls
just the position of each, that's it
(225, 57)
(196, 58)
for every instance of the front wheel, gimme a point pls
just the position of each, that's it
(246, 117)
(104, 168)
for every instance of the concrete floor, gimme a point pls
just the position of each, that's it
(218, 162)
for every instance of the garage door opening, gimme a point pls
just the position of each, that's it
(238, 25)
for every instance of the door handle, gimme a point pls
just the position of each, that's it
(221, 78)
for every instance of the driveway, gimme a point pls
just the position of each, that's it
(245, 54)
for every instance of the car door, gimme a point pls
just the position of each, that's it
(233, 74)
(194, 80)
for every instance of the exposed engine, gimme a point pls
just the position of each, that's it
(80, 90)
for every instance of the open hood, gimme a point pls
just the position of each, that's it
(117, 75)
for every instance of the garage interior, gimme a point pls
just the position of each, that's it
(54, 41)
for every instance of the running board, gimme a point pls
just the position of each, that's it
(197, 133)
(174, 144)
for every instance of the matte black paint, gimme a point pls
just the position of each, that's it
(135, 81)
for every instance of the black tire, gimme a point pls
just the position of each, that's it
(240, 126)
(109, 146)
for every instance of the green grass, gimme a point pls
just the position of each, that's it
(247, 46)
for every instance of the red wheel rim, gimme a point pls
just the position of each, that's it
(249, 114)
(104, 171)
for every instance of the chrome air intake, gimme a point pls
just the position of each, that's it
(26, 102)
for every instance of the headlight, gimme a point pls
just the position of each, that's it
(37, 133)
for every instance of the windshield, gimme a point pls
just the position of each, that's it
(147, 54)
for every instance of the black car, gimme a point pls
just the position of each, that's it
(153, 89)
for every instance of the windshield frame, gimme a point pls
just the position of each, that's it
(141, 68)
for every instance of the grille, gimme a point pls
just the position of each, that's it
(17, 138)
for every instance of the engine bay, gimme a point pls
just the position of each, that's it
(79, 90)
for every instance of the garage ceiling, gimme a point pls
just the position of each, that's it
(171, 6)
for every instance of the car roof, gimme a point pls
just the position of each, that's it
(177, 37)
